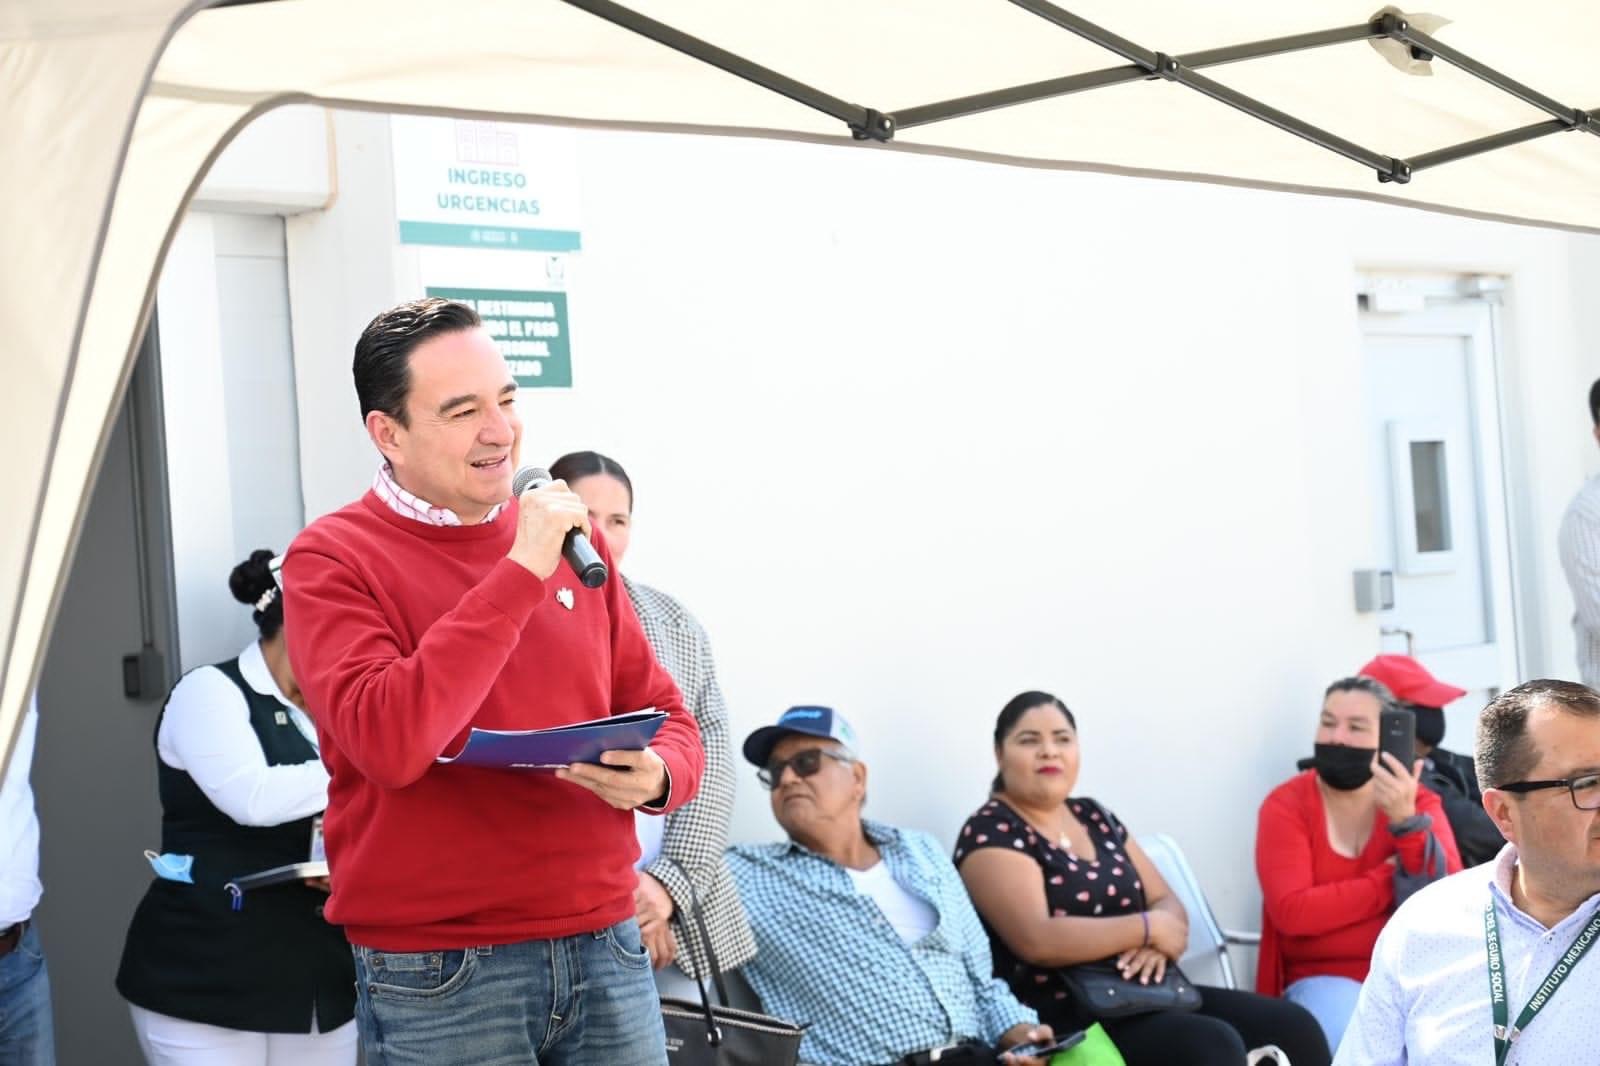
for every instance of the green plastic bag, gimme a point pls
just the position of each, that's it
(1096, 1050)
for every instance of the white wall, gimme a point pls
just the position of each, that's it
(228, 391)
(910, 435)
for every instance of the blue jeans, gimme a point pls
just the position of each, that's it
(1331, 1001)
(27, 1036)
(577, 1001)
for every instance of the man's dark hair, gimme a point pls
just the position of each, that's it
(1505, 754)
(383, 352)
(1594, 401)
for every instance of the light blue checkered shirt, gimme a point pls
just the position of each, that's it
(826, 955)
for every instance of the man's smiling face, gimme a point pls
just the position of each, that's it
(462, 437)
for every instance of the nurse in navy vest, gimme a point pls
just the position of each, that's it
(241, 785)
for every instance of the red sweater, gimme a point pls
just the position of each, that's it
(402, 637)
(1322, 912)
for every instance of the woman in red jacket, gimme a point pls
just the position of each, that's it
(1338, 848)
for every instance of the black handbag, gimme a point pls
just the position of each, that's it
(700, 1034)
(1100, 991)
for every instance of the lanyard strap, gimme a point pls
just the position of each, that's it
(1504, 1037)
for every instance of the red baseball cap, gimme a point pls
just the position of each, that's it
(1410, 681)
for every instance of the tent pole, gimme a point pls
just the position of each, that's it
(1387, 167)
(1075, 83)
(1401, 30)
(1090, 32)
(1278, 46)
(1019, 94)
(1495, 140)
(869, 124)
(864, 122)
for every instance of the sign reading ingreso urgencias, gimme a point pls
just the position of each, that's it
(476, 184)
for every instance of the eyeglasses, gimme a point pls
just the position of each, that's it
(804, 764)
(1584, 789)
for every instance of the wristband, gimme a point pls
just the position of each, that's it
(1410, 825)
(1144, 916)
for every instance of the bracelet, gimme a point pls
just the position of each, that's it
(1144, 916)
(1410, 825)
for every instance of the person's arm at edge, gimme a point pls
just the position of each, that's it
(390, 714)
(1579, 550)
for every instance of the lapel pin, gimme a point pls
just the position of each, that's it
(565, 598)
(280, 717)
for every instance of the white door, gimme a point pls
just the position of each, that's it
(1439, 505)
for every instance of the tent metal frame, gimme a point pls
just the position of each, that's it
(866, 123)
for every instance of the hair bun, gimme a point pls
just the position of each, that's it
(253, 577)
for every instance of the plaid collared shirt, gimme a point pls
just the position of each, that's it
(387, 489)
(826, 955)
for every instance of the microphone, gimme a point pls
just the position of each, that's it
(576, 549)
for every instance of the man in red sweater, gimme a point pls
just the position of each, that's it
(491, 911)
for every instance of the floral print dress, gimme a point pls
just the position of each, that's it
(1101, 885)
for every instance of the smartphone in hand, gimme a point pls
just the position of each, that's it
(1397, 735)
(1044, 1051)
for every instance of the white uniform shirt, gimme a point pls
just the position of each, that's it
(1426, 1000)
(19, 830)
(1580, 558)
(206, 732)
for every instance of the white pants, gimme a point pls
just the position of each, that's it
(168, 1041)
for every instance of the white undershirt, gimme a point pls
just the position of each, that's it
(206, 731)
(650, 828)
(19, 830)
(912, 917)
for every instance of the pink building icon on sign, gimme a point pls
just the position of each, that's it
(485, 142)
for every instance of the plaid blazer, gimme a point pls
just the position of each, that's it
(696, 834)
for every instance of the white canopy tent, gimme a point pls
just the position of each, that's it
(114, 109)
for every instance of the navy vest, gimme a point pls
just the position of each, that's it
(265, 967)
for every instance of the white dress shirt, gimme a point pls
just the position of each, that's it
(1580, 558)
(19, 830)
(1426, 1000)
(206, 732)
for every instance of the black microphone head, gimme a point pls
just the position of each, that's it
(529, 477)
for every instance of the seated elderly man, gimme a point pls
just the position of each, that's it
(863, 930)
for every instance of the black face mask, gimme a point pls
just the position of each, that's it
(1430, 725)
(1342, 767)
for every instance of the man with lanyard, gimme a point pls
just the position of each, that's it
(1490, 965)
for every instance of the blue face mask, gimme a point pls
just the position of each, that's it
(171, 867)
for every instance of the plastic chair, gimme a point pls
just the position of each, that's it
(1206, 962)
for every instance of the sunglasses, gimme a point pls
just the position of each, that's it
(804, 764)
(1584, 789)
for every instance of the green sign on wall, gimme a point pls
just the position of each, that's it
(530, 329)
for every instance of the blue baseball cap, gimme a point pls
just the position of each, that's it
(811, 721)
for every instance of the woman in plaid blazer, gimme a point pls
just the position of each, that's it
(681, 853)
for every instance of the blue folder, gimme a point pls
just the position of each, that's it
(562, 745)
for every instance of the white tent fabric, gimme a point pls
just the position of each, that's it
(111, 111)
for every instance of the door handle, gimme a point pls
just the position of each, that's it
(1396, 631)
